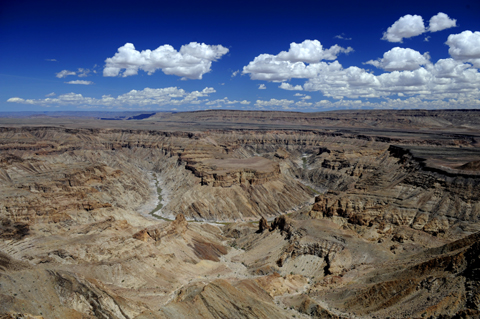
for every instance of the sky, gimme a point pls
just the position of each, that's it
(303, 55)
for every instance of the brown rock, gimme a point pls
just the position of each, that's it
(282, 153)
(180, 224)
(142, 235)
(262, 225)
(282, 223)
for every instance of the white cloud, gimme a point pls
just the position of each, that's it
(449, 68)
(292, 63)
(406, 27)
(342, 37)
(445, 79)
(427, 38)
(226, 101)
(191, 62)
(303, 104)
(409, 103)
(400, 59)
(289, 87)
(412, 25)
(50, 94)
(311, 51)
(299, 94)
(268, 68)
(16, 100)
(441, 21)
(64, 74)
(262, 87)
(83, 72)
(337, 82)
(274, 103)
(235, 73)
(135, 98)
(465, 46)
(80, 82)
(306, 97)
(51, 60)
(409, 72)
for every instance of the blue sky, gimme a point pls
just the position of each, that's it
(258, 55)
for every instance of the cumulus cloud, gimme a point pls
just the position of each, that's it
(64, 74)
(262, 87)
(441, 21)
(226, 101)
(445, 79)
(80, 82)
(289, 87)
(465, 46)
(409, 103)
(303, 104)
(450, 68)
(406, 27)
(410, 73)
(50, 94)
(412, 25)
(268, 68)
(398, 59)
(135, 98)
(311, 51)
(16, 100)
(191, 62)
(274, 103)
(235, 73)
(293, 63)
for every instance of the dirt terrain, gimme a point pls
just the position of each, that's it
(231, 214)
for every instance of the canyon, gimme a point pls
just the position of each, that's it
(241, 214)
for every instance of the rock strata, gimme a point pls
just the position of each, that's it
(393, 231)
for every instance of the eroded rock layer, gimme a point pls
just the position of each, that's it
(354, 222)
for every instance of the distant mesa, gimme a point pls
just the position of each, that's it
(135, 117)
(233, 171)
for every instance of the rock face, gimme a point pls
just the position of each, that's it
(217, 182)
(437, 283)
(229, 172)
(402, 192)
(263, 225)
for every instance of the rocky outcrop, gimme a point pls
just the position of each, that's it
(229, 172)
(263, 225)
(155, 233)
(400, 191)
(208, 301)
(438, 283)
(282, 223)
(13, 230)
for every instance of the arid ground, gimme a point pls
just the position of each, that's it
(240, 214)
